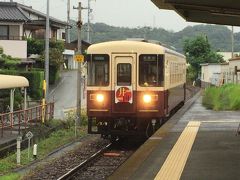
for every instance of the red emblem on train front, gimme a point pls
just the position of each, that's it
(123, 94)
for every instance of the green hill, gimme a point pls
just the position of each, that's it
(218, 36)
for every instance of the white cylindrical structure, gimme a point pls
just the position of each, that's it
(35, 151)
(19, 140)
(12, 100)
(25, 98)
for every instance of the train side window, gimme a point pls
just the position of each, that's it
(124, 74)
(151, 70)
(98, 70)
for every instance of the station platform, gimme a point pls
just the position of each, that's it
(195, 144)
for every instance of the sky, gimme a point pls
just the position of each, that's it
(123, 13)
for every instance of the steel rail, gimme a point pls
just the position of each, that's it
(70, 173)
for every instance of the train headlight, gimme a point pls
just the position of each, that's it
(147, 98)
(100, 98)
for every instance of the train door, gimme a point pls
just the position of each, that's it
(124, 83)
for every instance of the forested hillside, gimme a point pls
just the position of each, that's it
(218, 36)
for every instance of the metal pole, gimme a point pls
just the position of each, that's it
(232, 42)
(25, 106)
(12, 100)
(25, 98)
(29, 148)
(68, 23)
(12, 107)
(47, 52)
(89, 11)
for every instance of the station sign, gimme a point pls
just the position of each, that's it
(79, 58)
(123, 94)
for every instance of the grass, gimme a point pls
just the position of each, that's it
(45, 146)
(12, 176)
(226, 97)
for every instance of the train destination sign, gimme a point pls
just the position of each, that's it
(123, 94)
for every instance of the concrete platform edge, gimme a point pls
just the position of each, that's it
(131, 165)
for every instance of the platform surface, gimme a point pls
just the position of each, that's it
(214, 153)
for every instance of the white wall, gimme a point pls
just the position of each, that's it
(59, 34)
(13, 48)
(209, 72)
(204, 73)
(234, 63)
(227, 55)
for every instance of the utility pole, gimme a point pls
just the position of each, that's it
(68, 23)
(47, 53)
(232, 42)
(79, 73)
(88, 25)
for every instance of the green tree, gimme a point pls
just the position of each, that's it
(55, 61)
(56, 48)
(198, 51)
(35, 46)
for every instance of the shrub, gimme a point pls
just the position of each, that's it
(55, 56)
(35, 46)
(5, 100)
(226, 97)
(8, 62)
(1, 50)
(53, 74)
(35, 79)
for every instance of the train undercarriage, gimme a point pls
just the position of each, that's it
(121, 127)
(142, 127)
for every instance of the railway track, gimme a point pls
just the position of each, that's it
(102, 166)
(73, 171)
(95, 159)
(104, 162)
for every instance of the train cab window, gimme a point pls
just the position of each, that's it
(151, 72)
(98, 70)
(124, 71)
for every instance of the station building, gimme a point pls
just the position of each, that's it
(218, 74)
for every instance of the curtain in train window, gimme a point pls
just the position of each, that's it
(124, 74)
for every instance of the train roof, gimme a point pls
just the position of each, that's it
(131, 46)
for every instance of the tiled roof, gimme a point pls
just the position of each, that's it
(38, 13)
(11, 12)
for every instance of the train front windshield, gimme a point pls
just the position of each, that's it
(98, 70)
(151, 70)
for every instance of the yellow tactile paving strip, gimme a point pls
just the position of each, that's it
(177, 158)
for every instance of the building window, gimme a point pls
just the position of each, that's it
(4, 32)
(63, 35)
